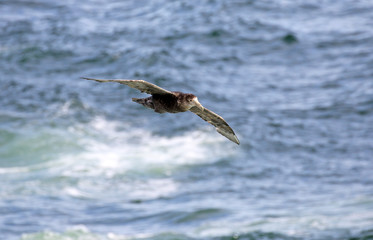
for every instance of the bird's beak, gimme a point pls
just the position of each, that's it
(197, 104)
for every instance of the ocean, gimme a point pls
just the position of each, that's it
(80, 161)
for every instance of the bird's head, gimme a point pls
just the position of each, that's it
(193, 101)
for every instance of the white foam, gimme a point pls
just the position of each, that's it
(109, 150)
(111, 157)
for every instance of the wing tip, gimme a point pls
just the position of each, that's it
(236, 140)
(94, 79)
(114, 80)
(230, 135)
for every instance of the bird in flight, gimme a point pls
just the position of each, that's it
(162, 100)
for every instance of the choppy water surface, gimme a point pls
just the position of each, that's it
(79, 160)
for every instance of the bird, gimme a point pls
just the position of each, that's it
(162, 101)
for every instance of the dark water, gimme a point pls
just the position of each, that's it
(79, 160)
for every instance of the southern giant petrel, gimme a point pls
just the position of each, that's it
(162, 101)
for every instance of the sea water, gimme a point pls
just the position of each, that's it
(79, 160)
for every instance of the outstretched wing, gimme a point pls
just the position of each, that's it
(141, 85)
(220, 124)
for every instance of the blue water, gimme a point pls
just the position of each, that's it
(79, 160)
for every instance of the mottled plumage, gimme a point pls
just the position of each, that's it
(162, 101)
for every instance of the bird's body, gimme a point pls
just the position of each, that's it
(163, 101)
(171, 103)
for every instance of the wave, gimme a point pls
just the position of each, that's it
(87, 158)
(81, 232)
(114, 146)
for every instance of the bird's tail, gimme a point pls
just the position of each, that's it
(146, 102)
(138, 100)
